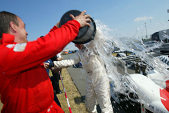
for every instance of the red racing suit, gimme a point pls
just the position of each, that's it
(24, 84)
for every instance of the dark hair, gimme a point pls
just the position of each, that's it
(5, 19)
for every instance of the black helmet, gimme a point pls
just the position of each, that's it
(86, 33)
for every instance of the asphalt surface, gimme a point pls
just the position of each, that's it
(79, 78)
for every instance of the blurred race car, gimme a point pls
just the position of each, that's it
(151, 93)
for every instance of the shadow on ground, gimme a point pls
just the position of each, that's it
(79, 100)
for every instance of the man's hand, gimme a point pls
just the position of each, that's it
(82, 19)
(46, 65)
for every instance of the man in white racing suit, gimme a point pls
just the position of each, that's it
(98, 88)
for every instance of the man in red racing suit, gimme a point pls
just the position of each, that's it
(24, 84)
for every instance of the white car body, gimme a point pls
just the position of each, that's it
(156, 98)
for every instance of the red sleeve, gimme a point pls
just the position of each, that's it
(36, 52)
(54, 28)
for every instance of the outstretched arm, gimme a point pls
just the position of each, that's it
(67, 63)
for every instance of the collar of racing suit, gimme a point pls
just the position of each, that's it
(7, 39)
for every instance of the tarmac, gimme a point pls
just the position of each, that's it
(75, 89)
(78, 77)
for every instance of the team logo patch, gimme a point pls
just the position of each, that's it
(10, 45)
(20, 47)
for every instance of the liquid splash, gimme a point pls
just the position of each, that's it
(105, 43)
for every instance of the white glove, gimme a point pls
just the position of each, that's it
(67, 63)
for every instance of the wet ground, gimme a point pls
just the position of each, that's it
(75, 84)
(78, 76)
(76, 101)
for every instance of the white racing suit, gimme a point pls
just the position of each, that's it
(98, 88)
